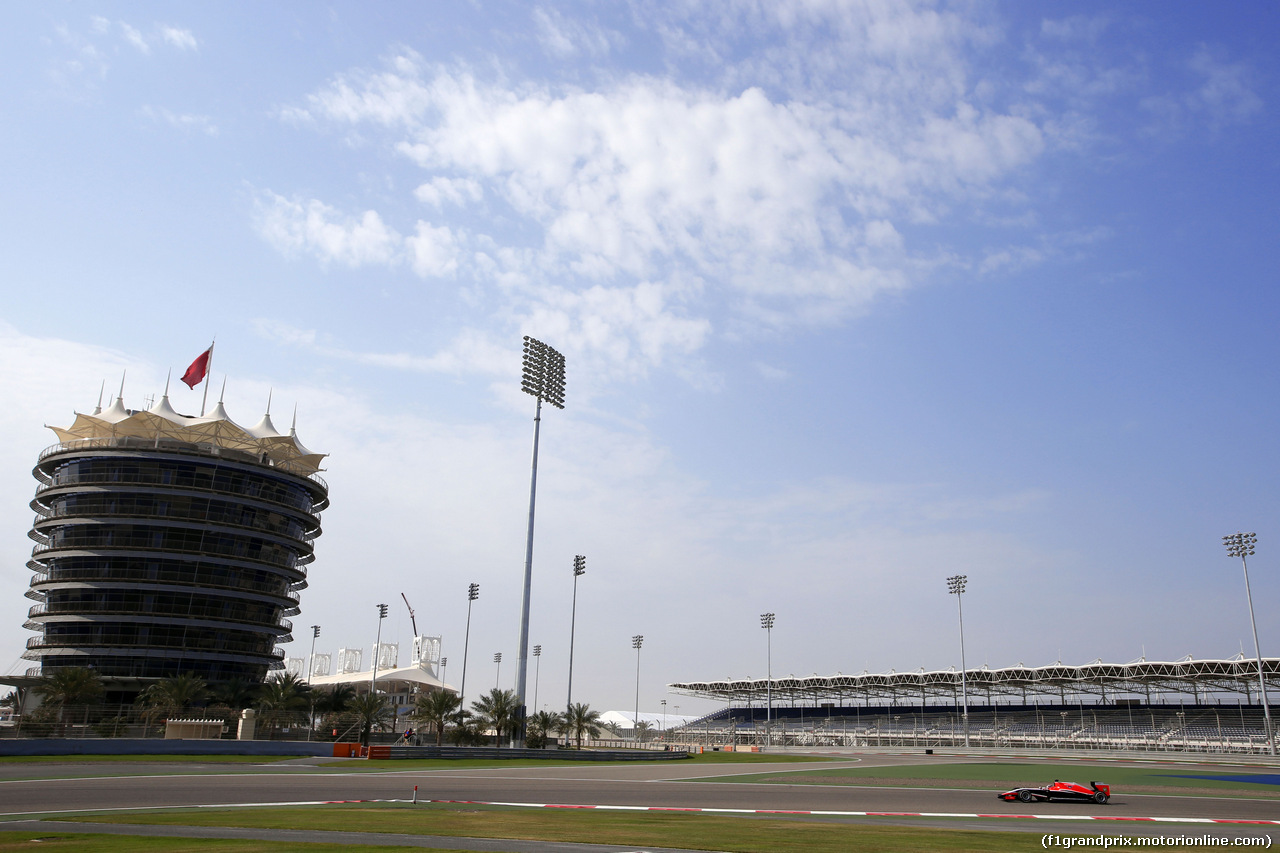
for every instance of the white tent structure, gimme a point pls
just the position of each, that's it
(625, 720)
(161, 426)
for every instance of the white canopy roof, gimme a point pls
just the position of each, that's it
(386, 678)
(217, 428)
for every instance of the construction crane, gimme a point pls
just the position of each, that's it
(412, 621)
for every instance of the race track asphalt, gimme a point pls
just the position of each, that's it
(68, 788)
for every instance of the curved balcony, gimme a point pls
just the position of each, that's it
(150, 555)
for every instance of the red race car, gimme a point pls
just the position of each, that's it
(1070, 791)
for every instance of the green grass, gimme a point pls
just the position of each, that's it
(1010, 774)
(708, 832)
(398, 764)
(759, 758)
(45, 842)
(155, 759)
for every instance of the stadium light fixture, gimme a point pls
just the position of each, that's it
(497, 678)
(542, 377)
(311, 661)
(636, 642)
(473, 592)
(579, 569)
(537, 674)
(766, 622)
(1242, 545)
(311, 668)
(955, 586)
(373, 682)
(444, 666)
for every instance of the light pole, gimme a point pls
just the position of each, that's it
(636, 642)
(311, 664)
(373, 682)
(1241, 545)
(543, 377)
(497, 678)
(537, 674)
(311, 661)
(473, 592)
(444, 665)
(664, 719)
(579, 568)
(955, 586)
(766, 622)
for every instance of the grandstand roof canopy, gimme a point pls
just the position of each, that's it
(1238, 675)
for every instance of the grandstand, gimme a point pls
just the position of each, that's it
(1182, 706)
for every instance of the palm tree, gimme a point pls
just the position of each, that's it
(174, 696)
(581, 720)
(372, 709)
(71, 685)
(497, 709)
(642, 729)
(436, 708)
(283, 700)
(335, 699)
(236, 693)
(541, 725)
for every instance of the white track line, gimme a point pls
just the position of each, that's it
(856, 814)
(669, 809)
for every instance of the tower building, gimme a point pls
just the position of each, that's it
(170, 544)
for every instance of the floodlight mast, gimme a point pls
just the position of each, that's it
(1242, 545)
(473, 592)
(311, 669)
(636, 642)
(766, 622)
(373, 682)
(542, 377)
(579, 568)
(537, 673)
(955, 585)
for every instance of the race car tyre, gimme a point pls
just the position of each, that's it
(1100, 798)
(1025, 796)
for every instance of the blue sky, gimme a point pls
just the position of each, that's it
(853, 296)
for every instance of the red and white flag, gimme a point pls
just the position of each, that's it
(199, 368)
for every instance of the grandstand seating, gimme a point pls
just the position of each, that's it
(1183, 728)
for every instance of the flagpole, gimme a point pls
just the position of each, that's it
(208, 371)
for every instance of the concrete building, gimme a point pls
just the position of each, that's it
(170, 544)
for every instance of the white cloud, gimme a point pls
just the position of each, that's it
(440, 191)
(1225, 93)
(643, 178)
(563, 37)
(772, 373)
(178, 37)
(293, 226)
(134, 37)
(434, 251)
(182, 121)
